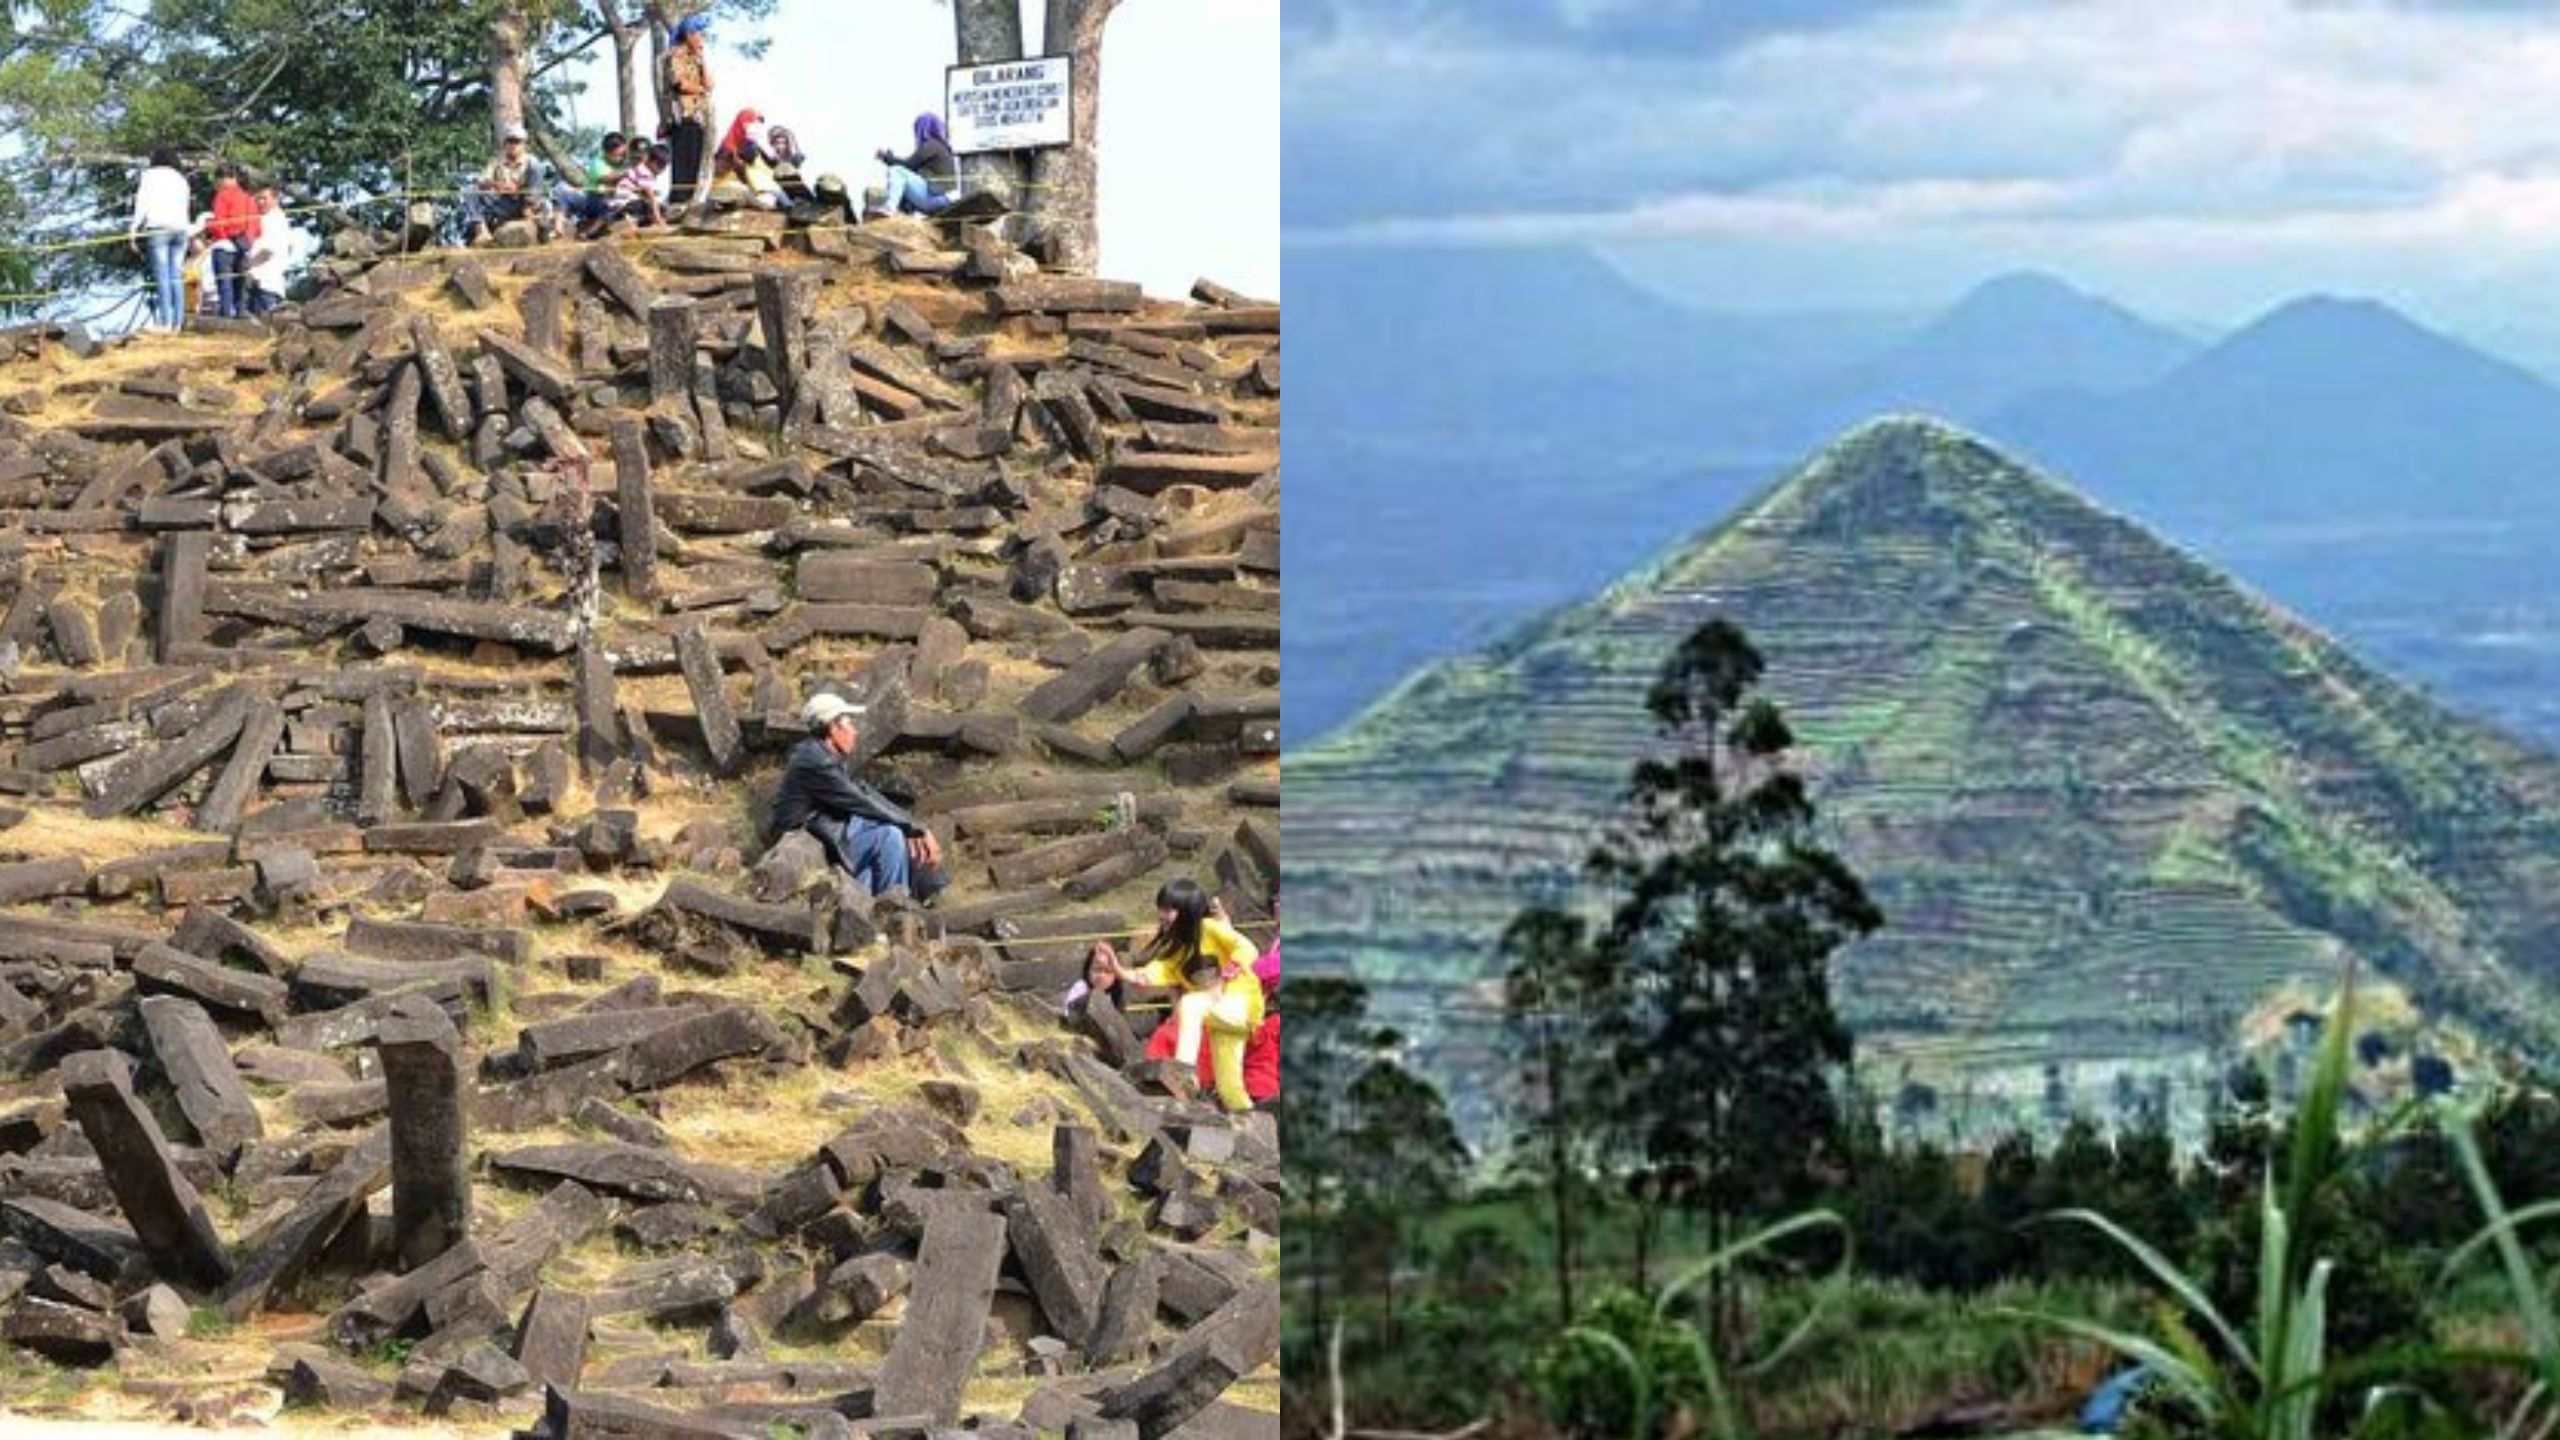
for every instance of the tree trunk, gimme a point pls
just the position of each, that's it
(1719, 1293)
(626, 55)
(506, 71)
(1387, 1288)
(661, 20)
(1322, 1261)
(554, 151)
(1064, 178)
(1560, 1177)
(984, 32)
(1647, 1215)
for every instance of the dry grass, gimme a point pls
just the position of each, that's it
(1001, 1394)
(53, 830)
(752, 1122)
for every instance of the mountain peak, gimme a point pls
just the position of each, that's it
(2013, 335)
(1900, 468)
(2035, 297)
(2331, 316)
(2080, 770)
(2020, 287)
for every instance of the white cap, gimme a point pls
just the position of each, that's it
(826, 709)
(516, 132)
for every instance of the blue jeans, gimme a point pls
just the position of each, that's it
(230, 277)
(168, 250)
(874, 854)
(488, 207)
(907, 190)
(582, 205)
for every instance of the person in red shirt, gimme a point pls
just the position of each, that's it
(233, 233)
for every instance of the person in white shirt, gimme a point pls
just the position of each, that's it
(160, 219)
(280, 246)
(635, 195)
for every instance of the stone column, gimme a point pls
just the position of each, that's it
(164, 1210)
(430, 1191)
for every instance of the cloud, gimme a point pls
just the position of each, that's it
(2193, 119)
(1681, 28)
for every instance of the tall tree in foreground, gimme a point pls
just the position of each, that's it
(1544, 994)
(1322, 1050)
(1727, 1045)
(1407, 1162)
(1371, 1148)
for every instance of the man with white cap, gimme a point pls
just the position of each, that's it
(874, 839)
(505, 191)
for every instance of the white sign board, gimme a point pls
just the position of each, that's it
(1008, 105)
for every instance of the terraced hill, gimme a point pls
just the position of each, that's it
(2109, 801)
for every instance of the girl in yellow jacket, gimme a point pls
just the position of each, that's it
(1204, 956)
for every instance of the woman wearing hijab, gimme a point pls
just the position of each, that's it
(746, 155)
(688, 78)
(922, 181)
(743, 144)
(784, 149)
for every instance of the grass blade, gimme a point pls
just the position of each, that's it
(2298, 1396)
(2176, 1281)
(2533, 1307)
(2186, 1380)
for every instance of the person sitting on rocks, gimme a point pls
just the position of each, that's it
(870, 837)
(1101, 977)
(504, 192)
(588, 204)
(783, 148)
(923, 180)
(743, 159)
(1195, 950)
(635, 195)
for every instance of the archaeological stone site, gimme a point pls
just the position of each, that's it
(402, 1009)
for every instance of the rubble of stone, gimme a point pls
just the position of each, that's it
(386, 702)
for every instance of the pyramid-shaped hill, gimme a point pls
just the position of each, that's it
(2109, 801)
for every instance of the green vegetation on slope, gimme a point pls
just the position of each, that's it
(2109, 801)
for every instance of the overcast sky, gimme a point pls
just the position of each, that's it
(1190, 117)
(2198, 158)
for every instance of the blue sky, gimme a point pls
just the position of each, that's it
(2200, 159)
(1190, 117)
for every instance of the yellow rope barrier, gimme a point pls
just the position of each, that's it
(1113, 934)
(402, 196)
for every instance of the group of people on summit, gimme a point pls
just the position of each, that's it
(238, 254)
(639, 182)
(241, 252)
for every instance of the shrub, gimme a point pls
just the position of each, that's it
(1586, 1390)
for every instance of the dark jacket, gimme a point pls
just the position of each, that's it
(934, 161)
(817, 795)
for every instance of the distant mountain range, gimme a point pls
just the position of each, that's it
(2318, 409)
(2110, 801)
(2382, 478)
